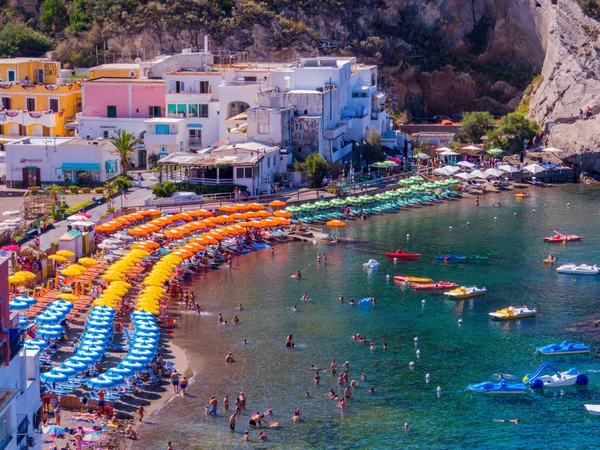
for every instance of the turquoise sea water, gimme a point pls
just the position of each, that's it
(455, 355)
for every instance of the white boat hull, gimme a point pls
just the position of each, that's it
(593, 409)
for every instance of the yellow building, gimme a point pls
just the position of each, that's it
(33, 101)
(118, 70)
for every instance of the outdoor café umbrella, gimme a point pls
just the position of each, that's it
(52, 377)
(99, 323)
(23, 322)
(148, 328)
(57, 258)
(51, 327)
(140, 353)
(466, 164)
(138, 358)
(66, 253)
(422, 156)
(53, 430)
(465, 176)
(96, 330)
(143, 346)
(494, 172)
(479, 174)
(92, 348)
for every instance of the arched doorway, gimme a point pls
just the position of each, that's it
(235, 108)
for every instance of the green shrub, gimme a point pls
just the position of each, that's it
(17, 39)
(73, 188)
(168, 188)
(78, 207)
(124, 182)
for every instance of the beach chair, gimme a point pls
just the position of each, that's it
(154, 379)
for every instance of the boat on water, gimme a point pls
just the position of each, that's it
(503, 388)
(259, 246)
(433, 285)
(521, 195)
(417, 280)
(562, 238)
(582, 269)
(594, 410)
(513, 313)
(466, 292)
(461, 258)
(571, 377)
(401, 254)
(564, 348)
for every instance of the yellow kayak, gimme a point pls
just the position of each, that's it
(521, 195)
(417, 280)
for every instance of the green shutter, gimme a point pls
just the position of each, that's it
(111, 111)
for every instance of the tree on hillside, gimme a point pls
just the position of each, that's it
(17, 39)
(125, 146)
(475, 124)
(513, 129)
(53, 15)
(315, 167)
(368, 150)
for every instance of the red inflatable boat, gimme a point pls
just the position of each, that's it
(563, 238)
(433, 286)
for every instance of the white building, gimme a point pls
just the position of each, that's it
(332, 102)
(33, 161)
(165, 135)
(20, 405)
(251, 164)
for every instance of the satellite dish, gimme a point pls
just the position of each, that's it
(138, 60)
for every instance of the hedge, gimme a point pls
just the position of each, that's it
(168, 188)
(78, 207)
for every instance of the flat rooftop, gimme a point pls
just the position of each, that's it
(62, 142)
(22, 60)
(116, 66)
(122, 80)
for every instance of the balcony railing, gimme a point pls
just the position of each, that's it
(241, 83)
(180, 115)
(195, 141)
(212, 181)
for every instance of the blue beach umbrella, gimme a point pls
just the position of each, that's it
(99, 324)
(141, 352)
(79, 365)
(148, 328)
(40, 343)
(88, 354)
(27, 299)
(93, 336)
(65, 370)
(134, 365)
(138, 358)
(100, 316)
(23, 322)
(96, 330)
(50, 334)
(146, 340)
(92, 348)
(123, 371)
(104, 308)
(16, 305)
(53, 377)
(100, 382)
(51, 327)
(114, 376)
(84, 359)
(146, 334)
(143, 346)
(141, 313)
(57, 308)
(62, 304)
(92, 343)
(48, 318)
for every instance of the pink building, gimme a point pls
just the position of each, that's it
(123, 98)
(113, 104)
(9, 325)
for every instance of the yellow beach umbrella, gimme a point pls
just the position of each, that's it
(13, 279)
(111, 276)
(87, 262)
(25, 275)
(68, 297)
(66, 253)
(57, 258)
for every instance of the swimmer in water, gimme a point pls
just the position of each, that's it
(406, 427)
(294, 308)
(324, 258)
(372, 390)
(235, 319)
(385, 347)
(318, 257)
(245, 342)
(342, 404)
(332, 393)
(241, 307)
(353, 384)
(229, 358)
(289, 341)
(351, 302)
(515, 421)
(363, 376)
(372, 346)
(348, 392)
(341, 299)
(317, 377)
(333, 367)
(298, 274)
(346, 365)
(220, 318)
(305, 297)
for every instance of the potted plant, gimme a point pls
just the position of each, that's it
(35, 188)
(73, 189)
(86, 190)
(99, 190)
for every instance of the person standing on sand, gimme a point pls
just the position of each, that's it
(175, 381)
(101, 401)
(57, 412)
(170, 446)
(140, 412)
(183, 385)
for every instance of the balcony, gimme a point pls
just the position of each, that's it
(180, 115)
(336, 132)
(211, 181)
(195, 142)
(26, 118)
(22, 428)
(161, 139)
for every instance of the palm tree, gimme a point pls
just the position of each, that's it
(125, 145)
(110, 189)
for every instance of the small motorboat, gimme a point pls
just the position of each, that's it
(502, 388)
(417, 280)
(433, 286)
(461, 258)
(564, 348)
(574, 269)
(563, 238)
(466, 292)
(556, 379)
(594, 410)
(401, 254)
(371, 264)
(521, 195)
(513, 313)
(259, 246)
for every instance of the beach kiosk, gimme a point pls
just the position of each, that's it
(73, 241)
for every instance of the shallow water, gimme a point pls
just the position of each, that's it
(455, 355)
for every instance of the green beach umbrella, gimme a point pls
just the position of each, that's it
(353, 200)
(495, 151)
(365, 198)
(452, 181)
(308, 207)
(337, 202)
(379, 197)
(322, 204)
(389, 163)
(293, 209)
(379, 165)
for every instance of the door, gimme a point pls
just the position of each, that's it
(11, 75)
(40, 75)
(31, 177)
(30, 104)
